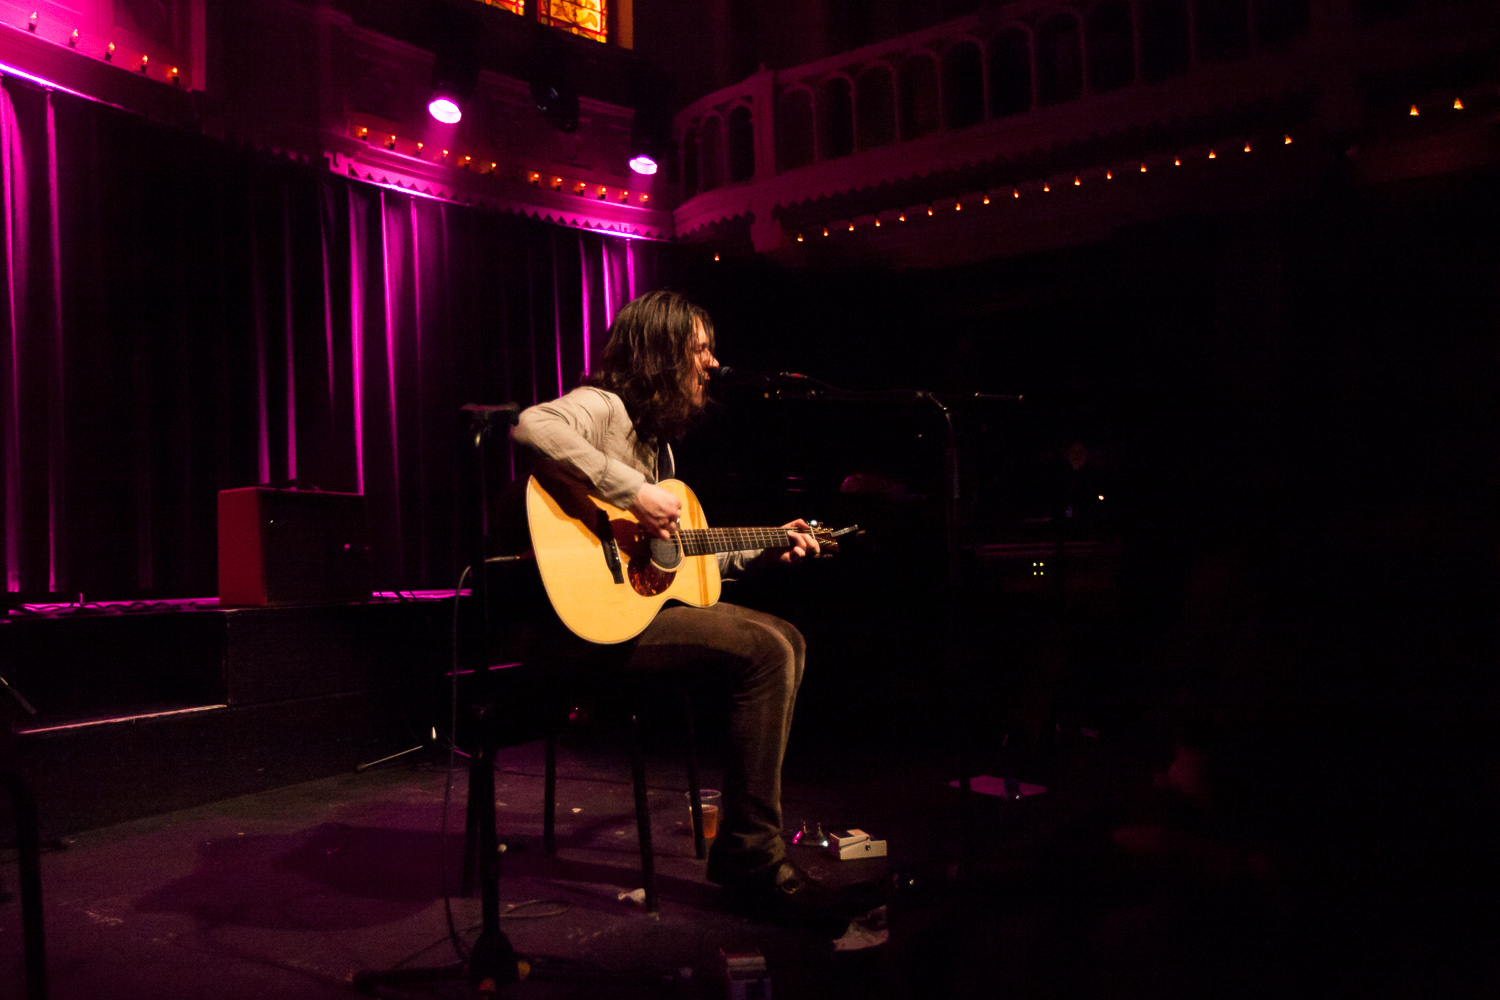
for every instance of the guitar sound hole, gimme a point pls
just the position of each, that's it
(666, 553)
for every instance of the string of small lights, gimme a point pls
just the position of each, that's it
(1081, 177)
(109, 52)
(417, 149)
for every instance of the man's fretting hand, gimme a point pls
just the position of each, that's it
(804, 545)
(657, 510)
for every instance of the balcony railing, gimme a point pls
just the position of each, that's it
(987, 67)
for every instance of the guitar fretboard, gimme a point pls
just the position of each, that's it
(707, 541)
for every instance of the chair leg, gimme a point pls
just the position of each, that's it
(700, 847)
(549, 799)
(642, 814)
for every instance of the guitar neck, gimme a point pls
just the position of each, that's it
(708, 541)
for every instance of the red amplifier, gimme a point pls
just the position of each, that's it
(280, 547)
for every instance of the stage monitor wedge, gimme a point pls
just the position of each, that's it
(279, 548)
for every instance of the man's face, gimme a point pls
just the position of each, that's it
(702, 359)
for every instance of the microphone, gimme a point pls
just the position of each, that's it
(482, 413)
(724, 373)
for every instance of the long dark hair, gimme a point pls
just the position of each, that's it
(649, 359)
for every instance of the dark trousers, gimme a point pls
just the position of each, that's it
(758, 659)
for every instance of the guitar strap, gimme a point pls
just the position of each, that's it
(666, 465)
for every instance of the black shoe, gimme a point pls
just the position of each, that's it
(785, 892)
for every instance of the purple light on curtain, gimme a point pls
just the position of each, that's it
(357, 335)
(583, 296)
(262, 417)
(289, 335)
(55, 427)
(328, 359)
(557, 323)
(390, 274)
(630, 269)
(14, 179)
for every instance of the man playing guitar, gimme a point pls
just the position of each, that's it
(611, 437)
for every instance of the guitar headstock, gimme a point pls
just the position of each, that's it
(828, 539)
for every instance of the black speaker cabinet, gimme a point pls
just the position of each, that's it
(285, 547)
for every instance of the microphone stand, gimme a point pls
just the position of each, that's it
(492, 962)
(792, 385)
(28, 847)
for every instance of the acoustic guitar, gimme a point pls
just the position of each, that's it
(606, 578)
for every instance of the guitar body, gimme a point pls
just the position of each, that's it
(597, 567)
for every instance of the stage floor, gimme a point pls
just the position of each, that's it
(1093, 888)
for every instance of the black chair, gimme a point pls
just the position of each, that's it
(638, 780)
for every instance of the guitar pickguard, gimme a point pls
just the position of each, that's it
(647, 580)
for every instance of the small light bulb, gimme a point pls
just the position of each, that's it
(929, 209)
(1414, 112)
(716, 256)
(851, 227)
(1458, 104)
(958, 206)
(1077, 181)
(1286, 140)
(73, 39)
(1109, 175)
(1143, 166)
(1015, 192)
(901, 217)
(986, 200)
(1212, 155)
(1176, 161)
(31, 24)
(825, 230)
(877, 223)
(1046, 187)
(799, 237)
(109, 53)
(1247, 147)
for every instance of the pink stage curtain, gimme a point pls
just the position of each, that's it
(183, 316)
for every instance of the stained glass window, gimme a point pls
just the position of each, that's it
(581, 17)
(514, 6)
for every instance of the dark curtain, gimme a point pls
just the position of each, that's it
(183, 316)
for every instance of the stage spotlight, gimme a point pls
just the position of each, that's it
(455, 73)
(644, 158)
(650, 137)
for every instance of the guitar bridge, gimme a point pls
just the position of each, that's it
(611, 547)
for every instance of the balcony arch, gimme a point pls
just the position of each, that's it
(963, 85)
(690, 162)
(1165, 48)
(1010, 72)
(1059, 59)
(796, 145)
(741, 136)
(835, 118)
(875, 107)
(711, 154)
(1109, 41)
(1223, 28)
(918, 91)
